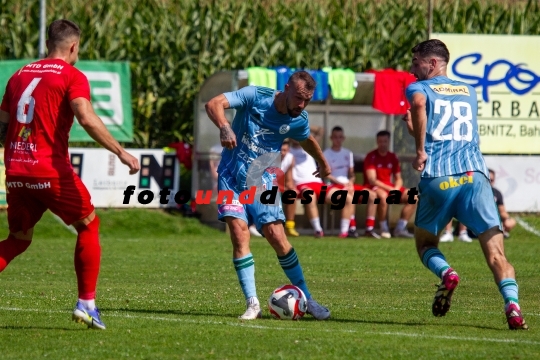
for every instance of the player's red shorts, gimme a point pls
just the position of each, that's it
(315, 186)
(357, 187)
(28, 198)
(374, 188)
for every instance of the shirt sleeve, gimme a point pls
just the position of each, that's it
(351, 160)
(78, 86)
(498, 197)
(5, 99)
(414, 88)
(243, 98)
(396, 166)
(368, 163)
(301, 131)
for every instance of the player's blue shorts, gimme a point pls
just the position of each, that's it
(467, 197)
(255, 213)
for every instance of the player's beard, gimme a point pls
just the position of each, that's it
(290, 111)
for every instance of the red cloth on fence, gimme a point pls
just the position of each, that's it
(184, 153)
(389, 90)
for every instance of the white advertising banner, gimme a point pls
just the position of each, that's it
(518, 179)
(107, 178)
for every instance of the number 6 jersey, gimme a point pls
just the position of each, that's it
(452, 140)
(37, 99)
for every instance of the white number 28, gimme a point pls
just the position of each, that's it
(453, 109)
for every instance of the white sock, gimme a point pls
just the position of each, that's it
(316, 223)
(345, 225)
(401, 225)
(252, 301)
(463, 232)
(384, 226)
(88, 304)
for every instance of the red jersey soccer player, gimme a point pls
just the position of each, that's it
(36, 116)
(379, 165)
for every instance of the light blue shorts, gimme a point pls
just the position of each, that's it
(467, 197)
(253, 214)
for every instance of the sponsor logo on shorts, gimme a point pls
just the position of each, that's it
(454, 182)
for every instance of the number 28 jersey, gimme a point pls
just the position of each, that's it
(452, 140)
(38, 99)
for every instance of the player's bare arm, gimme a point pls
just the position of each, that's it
(408, 120)
(84, 112)
(289, 182)
(419, 121)
(4, 122)
(311, 146)
(371, 175)
(215, 109)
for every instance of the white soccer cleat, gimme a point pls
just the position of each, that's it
(465, 237)
(403, 234)
(253, 310)
(386, 234)
(316, 310)
(446, 237)
(253, 231)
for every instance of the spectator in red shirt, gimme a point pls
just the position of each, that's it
(379, 166)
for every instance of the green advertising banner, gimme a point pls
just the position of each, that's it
(110, 90)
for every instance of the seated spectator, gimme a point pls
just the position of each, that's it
(287, 164)
(508, 222)
(379, 165)
(448, 234)
(341, 161)
(304, 180)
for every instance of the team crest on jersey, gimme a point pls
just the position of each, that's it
(446, 89)
(283, 129)
(25, 133)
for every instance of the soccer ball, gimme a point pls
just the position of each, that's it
(287, 302)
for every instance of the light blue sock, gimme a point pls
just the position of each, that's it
(434, 260)
(509, 291)
(245, 270)
(291, 266)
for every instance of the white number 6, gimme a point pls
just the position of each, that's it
(27, 99)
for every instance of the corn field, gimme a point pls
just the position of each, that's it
(174, 45)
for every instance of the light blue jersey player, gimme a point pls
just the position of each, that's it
(264, 118)
(455, 179)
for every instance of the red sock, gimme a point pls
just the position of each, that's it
(87, 259)
(11, 248)
(352, 224)
(370, 222)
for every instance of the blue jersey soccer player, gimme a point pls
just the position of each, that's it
(264, 118)
(455, 179)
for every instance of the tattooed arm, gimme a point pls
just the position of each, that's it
(215, 109)
(4, 122)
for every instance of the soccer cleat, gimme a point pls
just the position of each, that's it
(319, 234)
(316, 310)
(88, 317)
(253, 310)
(464, 237)
(343, 235)
(372, 234)
(446, 237)
(386, 234)
(352, 234)
(253, 231)
(515, 319)
(291, 232)
(443, 296)
(403, 233)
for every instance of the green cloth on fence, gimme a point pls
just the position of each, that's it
(261, 76)
(341, 83)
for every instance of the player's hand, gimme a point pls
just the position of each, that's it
(420, 161)
(323, 170)
(227, 137)
(131, 162)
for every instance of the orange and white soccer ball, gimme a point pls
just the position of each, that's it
(287, 302)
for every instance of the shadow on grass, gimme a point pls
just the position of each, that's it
(306, 319)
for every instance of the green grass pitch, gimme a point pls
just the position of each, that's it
(167, 289)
